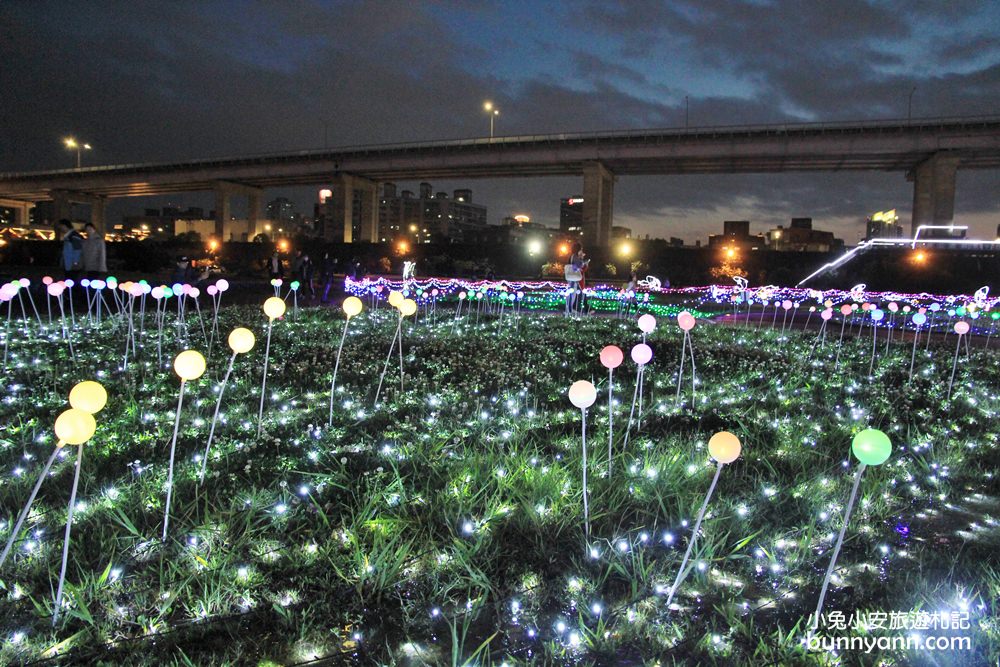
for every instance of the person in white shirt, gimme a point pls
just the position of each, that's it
(95, 263)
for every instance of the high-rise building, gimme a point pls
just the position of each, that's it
(430, 217)
(571, 216)
(883, 225)
(281, 210)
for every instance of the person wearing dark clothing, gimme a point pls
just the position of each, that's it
(72, 249)
(355, 268)
(327, 270)
(306, 270)
(182, 272)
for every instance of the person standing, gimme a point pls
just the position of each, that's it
(94, 253)
(574, 273)
(274, 266)
(72, 249)
(327, 270)
(306, 270)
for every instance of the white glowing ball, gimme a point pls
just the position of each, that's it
(647, 323)
(582, 394)
(641, 354)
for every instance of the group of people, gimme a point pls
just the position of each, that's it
(82, 256)
(303, 270)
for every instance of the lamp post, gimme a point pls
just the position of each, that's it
(493, 113)
(74, 145)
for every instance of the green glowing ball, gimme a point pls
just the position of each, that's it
(871, 447)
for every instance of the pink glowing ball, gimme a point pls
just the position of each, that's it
(47, 280)
(893, 307)
(55, 289)
(212, 290)
(812, 309)
(846, 310)
(961, 327)
(222, 284)
(612, 356)
(685, 321)
(194, 292)
(157, 292)
(922, 310)
(786, 304)
(641, 354)
(647, 323)
(826, 314)
(136, 289)
(24, 282)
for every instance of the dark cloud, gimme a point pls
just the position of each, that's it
(150, 81)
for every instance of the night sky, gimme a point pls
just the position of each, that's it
(152, 81)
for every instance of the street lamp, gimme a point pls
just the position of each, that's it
(493, 113)
(74, 145)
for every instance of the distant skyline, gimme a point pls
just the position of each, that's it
(149, 81)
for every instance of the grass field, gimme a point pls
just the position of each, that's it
(446, 526)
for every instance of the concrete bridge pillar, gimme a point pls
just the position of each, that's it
(98, 209)
(934, 191)
(62, 206)
(598, 204)
(22, 210)
(253, 214)
(345, 202)
(224, 190)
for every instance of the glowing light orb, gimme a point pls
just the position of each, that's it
(582, 394)
(189, 365)
(241, 340)
(612, 356)
(724, 447)
(274, 307)
(75, 427)
(88, 396)
(871, 447)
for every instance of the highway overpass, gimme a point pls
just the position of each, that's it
(928, 151)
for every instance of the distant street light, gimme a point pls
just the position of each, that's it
(74, 145)
(625, 249)
(534, 247)
(493, 113)
(909, 105)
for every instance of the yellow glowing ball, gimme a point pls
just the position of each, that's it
(352, 306)
(724, 447)
(189, 365)
(395, 298)
(408, 307)
(75, 427)
(274, 307)
(88, 396)
(241, 340)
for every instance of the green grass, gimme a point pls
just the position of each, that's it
(447, 526)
